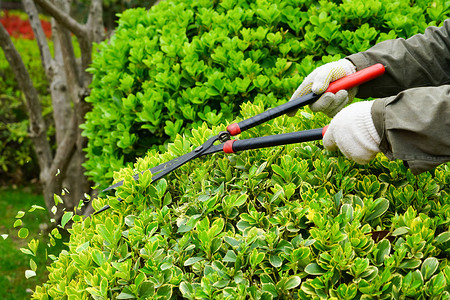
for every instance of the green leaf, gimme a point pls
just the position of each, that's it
(240, 200)
(33, 245)
(230, 256)
(438, 283)
(139, 279)
(55, 233)
(26, 251)
(17, 223)
(266, 296)
(20, 214)
(103, 286)
(77, 218)
(124, 295)
(275, 261)
(165, 292)
(29, 274)
(108, 233)
(256, 257)
(379, 207)
(400, 231)
(429, 266)
(57, 199)
(410, 264)
(34, 207)
(166, 266)
(66, 218)
(146, 289)
(98, 257)
(270, 288)
(384, 249)
(314, 269)
(292, 282)
(184, 228)
(347, 211)
(82, 247)
(23, 233)
(192, 260)
(186, 289)
(33, 265)
(443, 237)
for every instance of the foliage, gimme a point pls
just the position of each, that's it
(291, 222)
(16, 150)
(168, 69)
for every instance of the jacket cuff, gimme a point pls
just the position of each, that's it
(359, 60)
(378, 113)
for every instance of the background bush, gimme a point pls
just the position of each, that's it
(17, 162)
(277, 223)
(168, 69)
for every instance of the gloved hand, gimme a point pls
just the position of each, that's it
(353, 132)
(318, 81)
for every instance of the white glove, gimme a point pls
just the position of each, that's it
(353, 132)
(317, 82)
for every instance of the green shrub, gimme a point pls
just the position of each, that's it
(277, 223)
(170, 68)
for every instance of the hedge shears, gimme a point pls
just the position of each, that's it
(229, 145)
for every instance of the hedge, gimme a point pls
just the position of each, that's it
(291, 222)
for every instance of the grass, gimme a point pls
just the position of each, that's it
(14, 263)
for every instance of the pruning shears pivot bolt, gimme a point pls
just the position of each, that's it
(224, 136)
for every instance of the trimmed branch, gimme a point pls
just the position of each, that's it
(37, 123)
(70, 65)
(63, 18)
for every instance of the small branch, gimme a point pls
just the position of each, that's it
(95, 21)
(37, 124)
(46, 57)
(63, 18)
(70, 65)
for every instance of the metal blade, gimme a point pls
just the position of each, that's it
(213, 149)
(153, 170)
(165, 168)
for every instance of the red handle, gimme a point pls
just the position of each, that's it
(324, 130)
(356, 79)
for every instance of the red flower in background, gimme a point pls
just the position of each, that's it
(20, 28)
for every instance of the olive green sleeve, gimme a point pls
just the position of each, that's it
(417, 132)
(413, 118)
(422, 60)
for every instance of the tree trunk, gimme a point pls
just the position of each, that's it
(60, 169)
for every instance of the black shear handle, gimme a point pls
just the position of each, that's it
(344, 83)
(233, 146)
